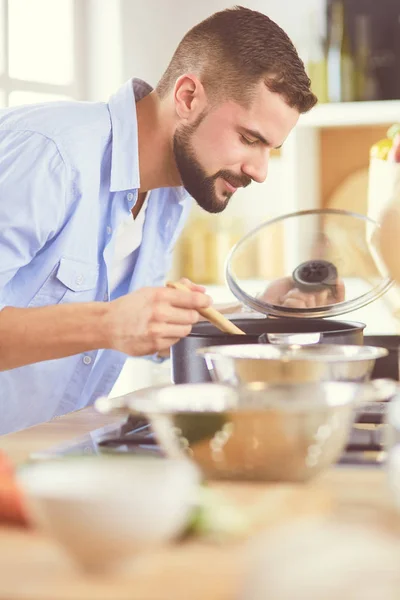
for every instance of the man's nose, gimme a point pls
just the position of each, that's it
(257, 168)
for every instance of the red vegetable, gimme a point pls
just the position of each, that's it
(12, 510)
(394, 152)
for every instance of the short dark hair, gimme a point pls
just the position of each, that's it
(234, 49)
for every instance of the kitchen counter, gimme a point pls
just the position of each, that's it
(18, 446)
(36, 568)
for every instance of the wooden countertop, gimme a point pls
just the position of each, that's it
(18, 446)
(33, 567)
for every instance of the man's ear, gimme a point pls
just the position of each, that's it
(190, 98)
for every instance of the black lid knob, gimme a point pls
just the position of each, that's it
(315, 275)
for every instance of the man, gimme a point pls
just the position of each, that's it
(93, 197)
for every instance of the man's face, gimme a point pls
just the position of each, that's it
(228, 147)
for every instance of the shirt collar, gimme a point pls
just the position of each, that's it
(125, 149)
(181, 194)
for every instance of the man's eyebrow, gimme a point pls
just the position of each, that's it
(255, 134)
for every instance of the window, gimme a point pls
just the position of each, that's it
(41, 45)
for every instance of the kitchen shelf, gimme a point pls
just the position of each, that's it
(345, 114)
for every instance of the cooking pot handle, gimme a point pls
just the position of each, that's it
(378, 390)
(300, 339)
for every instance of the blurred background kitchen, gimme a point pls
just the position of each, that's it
(84, 49)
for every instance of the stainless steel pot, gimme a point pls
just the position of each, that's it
(388, 366)
(319, 251)
(188, 367)
(250, 363)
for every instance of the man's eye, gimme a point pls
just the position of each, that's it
(246, 140)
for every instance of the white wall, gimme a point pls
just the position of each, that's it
(151, 30)
(135, 38)
(104, 47)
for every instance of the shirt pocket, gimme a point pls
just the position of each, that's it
(71, 280)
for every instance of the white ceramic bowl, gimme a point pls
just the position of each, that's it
(106, 509)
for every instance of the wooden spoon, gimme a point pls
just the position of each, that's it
(211, 314)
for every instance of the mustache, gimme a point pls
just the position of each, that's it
(234, 180)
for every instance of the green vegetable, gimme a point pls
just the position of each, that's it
(393, 131)
(199, 427)
(214, 518)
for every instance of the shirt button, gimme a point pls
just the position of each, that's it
(79, 279)
(109, 230)
(87, 360)
(130, 196)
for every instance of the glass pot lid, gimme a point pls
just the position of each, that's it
(313, 263)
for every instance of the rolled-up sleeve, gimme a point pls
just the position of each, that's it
(33, 179)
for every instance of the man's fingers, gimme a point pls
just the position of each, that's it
(297, 299)
(340, 292)
(304, 300)
(293, 303)
(165, 313)
(193, 286)
(186, 299)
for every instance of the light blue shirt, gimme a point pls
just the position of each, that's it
(69, 175)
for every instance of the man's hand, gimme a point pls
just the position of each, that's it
(153, 319)
(138, 324)
(283, 292)
(194, 287)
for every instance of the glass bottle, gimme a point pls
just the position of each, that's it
(339, 61)
(367, 85)
(316, 60)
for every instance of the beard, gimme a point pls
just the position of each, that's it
(194, 178)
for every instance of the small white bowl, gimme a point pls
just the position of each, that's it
(105, 509)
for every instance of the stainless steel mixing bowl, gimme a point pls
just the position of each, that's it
(279, 432)
(290, 363)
